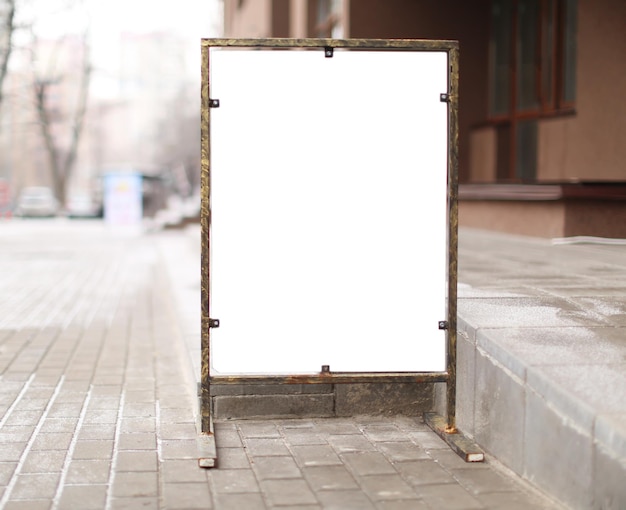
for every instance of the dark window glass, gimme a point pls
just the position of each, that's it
(527, 18)
(532, 74)
(570, 30)
(526, 151)
(548, 60)
(500, 48)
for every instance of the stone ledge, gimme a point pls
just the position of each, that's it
(242, 401)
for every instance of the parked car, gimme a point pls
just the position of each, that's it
(83, 205)
(36, 201)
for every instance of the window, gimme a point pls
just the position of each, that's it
(328, 19)
(532, 75)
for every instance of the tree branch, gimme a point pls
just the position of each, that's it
(7, 27)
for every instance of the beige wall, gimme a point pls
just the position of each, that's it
(250, 18)
(483, 154)
(591, 145)
(467, 22)
(541, 219)
(298, 18)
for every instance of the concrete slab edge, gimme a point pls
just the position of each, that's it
(606, 433)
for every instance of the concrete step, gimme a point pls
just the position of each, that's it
(542, 362)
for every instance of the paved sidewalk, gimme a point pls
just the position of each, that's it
(97, 399)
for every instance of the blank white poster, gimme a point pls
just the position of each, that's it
(328, 211)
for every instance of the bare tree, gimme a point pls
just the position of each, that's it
(54, 123)
(7, 27)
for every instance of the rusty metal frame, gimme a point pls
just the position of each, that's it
(451, 97)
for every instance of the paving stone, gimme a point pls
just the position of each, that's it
(106, 431)
(325, 478)
(107, 390)
(303, 438)
(187, 496)
(35, 486)
(45, 461)
(178, 401)
(424, 472)
(180, 471)
(52, 441)
(350, 443)
(401, 451)
(87, 449)
(177, 415)
(367, 463)
(315, 455)
(178, 431)
(18, 418)
(259, 429)
(12, 452)
(384, 433)
(134, 503)
(232, 458)
(6, 472)
(136, 441)
(428, 440)
(386, 487)
(448, 497)
(108, 403)
(402, 504)
(138, 425)
(85, 472)
(139, 410)
(228, 438)
(30, 504)
(183, 449)
(99, 416)
(136, 461)
(220, 426)
(65, 410)
(259, 447)
(267, 468)
(240, 501)
(139, 396)
(32, 404)
(288, 492)
(83, 497)
(58, 425)
(345, 500)
(16, 434)
(135, 484)
(234, 480)
(337, 427)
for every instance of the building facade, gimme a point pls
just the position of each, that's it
(541, 113)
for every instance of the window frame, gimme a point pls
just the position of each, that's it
(550, 48)
(558, 105)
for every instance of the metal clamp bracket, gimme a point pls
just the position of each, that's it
(214, 103)
(214, 323)
(443, 324)
(328, 52)
(444, 98)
